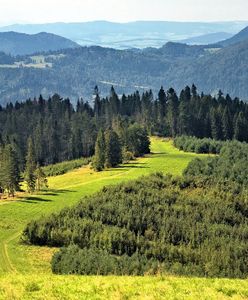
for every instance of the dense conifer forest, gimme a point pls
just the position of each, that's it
(42, 132)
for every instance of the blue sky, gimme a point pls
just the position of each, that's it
(41, 11)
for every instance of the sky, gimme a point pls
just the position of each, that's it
(44, 11)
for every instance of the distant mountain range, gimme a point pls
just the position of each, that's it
(15, 43)
(74, 72)
(139, 34)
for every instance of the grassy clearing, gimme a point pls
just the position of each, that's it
(25, 270)
(96, 287)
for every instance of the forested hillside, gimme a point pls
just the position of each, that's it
(210, 67)
(57, 131)
(154, 225)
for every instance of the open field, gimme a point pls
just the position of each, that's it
(25, 270)
(119, 288)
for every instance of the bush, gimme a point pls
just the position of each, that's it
(64, 167)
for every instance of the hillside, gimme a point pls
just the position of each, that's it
(15, 43)
(237, 38)
(174, 64)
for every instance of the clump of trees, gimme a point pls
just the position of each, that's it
(155, 224)
(112, 149)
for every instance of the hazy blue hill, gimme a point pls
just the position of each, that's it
(207, 39)
(237, 38)
(15, 43)
(138, 34)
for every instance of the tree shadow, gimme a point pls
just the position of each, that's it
(32, 199)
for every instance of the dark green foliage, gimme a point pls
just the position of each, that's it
(66, 166)
(74, 260)
(100, 152)
(9, 171)
(164, 220)
(230, 167)
(61, 133)
(193, 144)
(29, 174)
(137, 140)
(113, 153)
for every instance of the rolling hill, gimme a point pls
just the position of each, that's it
(15, 43)
(237, 38)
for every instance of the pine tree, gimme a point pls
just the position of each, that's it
(162, 103)
(29, 175)
(113, 149)
(10, 175)
(172, 112)
(41, 180)
(226, 125)
(240, 128)
(99, 158)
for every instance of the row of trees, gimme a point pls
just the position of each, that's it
(10, 175)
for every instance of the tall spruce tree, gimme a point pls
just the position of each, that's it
(10, 175)
(113, 153)
(30, 168)
(100, 147)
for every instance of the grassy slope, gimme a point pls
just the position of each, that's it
(23, 261)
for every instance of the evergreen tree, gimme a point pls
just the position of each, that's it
(162, 103)
(100, 147)
(10, 176)
(172, 112)
(240, 128)
(29, 175)
(113, 149)
(41, 180)
(226, 125)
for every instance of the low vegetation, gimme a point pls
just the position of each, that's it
(196, 145)
(66, 166)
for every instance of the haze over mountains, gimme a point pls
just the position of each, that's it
(139, 34)
(74, 72)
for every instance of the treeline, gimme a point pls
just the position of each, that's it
(157, 224)
(61, 132)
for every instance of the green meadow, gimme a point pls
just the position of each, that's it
(25, 270)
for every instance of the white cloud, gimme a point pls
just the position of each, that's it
(41, 11)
